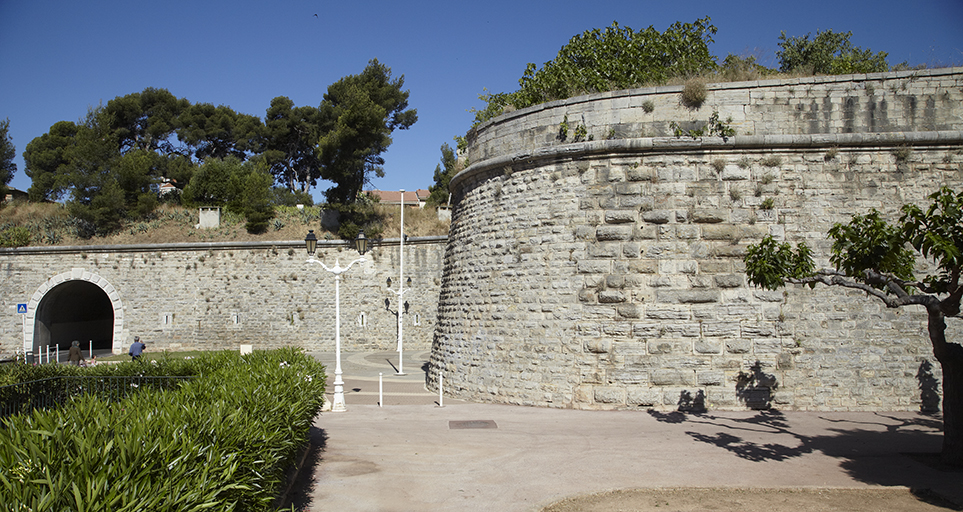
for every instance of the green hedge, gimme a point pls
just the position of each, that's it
(220, 442)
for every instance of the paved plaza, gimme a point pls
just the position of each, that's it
(412, 455)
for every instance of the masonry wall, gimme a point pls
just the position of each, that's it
(218, 296)
(608, 273)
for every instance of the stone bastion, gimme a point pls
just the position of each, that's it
(601, 267)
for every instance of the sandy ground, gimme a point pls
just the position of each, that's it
(770, 500)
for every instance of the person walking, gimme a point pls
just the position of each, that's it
(74, 354)
(136, 349)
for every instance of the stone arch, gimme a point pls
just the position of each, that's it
(74, 305)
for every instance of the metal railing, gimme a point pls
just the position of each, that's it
(53, 392)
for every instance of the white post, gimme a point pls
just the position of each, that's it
(48, 354)
(401, 284)
(441, 385)
(90, 346)
(338, 405)
(57, 354)
(381, 390)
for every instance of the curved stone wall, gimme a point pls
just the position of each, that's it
(609, 274)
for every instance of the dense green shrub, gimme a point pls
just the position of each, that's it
(17, 236)
(220, 442)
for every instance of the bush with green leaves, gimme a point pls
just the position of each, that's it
(220, 442)
(17, 236)
(829, 53)
(614, 58)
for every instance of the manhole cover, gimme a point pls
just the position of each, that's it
(453, 425)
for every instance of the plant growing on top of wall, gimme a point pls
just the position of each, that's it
(694, 93)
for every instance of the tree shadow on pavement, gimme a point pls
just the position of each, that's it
(884, 451)
(299, 497)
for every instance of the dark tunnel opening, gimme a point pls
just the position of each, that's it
(75, 310)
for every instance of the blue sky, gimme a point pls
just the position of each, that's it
(57, 57)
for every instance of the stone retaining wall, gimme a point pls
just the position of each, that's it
(221, 295)
(608, 273)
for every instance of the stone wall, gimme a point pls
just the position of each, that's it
(608, 273)
(221, 295)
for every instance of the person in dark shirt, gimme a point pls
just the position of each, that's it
(74, 355)
(136, 349)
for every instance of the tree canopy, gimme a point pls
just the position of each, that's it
(829, 53)
(7, 154)
(444, 172)
(879, 258)
(107, 165)
(359, 113)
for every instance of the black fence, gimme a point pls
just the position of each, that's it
(55, 391)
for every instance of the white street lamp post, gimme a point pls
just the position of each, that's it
(361, 244)
(401, 286)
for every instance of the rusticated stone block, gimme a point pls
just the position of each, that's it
(710, 378)
(620, 216)
(598, 346)
(629, 310)
(613, 232)
(643, 397)
(738, 346)
(708, 216)
(658, 216)
(671, 377)
(688, 296)
(728, 280)
(611, 296)
(609, 395)
(707, 346)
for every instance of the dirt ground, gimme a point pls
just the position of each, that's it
(771, 500)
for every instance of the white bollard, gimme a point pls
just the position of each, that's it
(90, 349)
(441, 395)
(381, 390)
(57, 354)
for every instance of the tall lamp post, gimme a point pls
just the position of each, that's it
(401, 285)
(361, 244)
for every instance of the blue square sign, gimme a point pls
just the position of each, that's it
(22, 308)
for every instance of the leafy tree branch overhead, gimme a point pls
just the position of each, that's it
(876, 257)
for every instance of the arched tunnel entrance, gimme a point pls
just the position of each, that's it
(74, 310)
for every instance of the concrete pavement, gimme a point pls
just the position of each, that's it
(413, 455)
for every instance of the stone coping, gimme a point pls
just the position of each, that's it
(684, 143)
(719, 86)
(201, 246)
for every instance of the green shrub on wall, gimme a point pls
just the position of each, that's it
(220, 442)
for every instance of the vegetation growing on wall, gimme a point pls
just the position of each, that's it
(618, 57)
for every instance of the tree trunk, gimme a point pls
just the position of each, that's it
(950, 356)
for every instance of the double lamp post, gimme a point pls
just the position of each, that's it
(361, 245)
